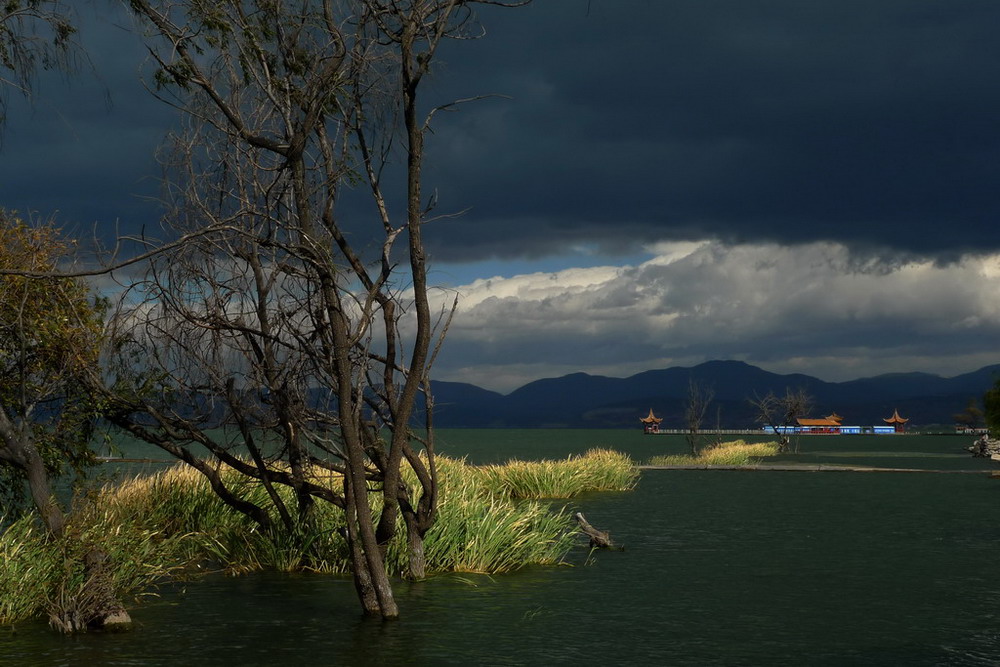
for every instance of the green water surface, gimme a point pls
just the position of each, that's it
(720, 568)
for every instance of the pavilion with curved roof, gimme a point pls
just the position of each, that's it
(897, 422)
(651, 423)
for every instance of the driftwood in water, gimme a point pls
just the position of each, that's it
(598, 538)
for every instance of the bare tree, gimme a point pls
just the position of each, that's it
(780, 413)
(696, 404)
(718, 425)
(299, 324)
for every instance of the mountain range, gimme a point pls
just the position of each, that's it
(580, 400)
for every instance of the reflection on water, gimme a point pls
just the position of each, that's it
(723, 568)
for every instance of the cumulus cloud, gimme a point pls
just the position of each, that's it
(817, 308)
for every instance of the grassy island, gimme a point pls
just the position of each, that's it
(734, 453)
(171, 525)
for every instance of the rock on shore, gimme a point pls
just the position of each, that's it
(985, 447)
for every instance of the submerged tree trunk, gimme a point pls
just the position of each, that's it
(417, 560)
(370, 576)
(305, 303)
(359, 568)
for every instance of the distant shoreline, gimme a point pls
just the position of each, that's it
(811, 468)
(735, 431)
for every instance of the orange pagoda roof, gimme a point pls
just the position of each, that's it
(895, 418)
(832, 420)
(651, 419)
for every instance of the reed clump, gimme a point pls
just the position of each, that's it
(170, 524)
(596, 470)
(734, 453)
(481, 530)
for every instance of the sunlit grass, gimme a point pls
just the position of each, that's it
(481, 530)
(735, 453)
(597, 470)
(180, 502)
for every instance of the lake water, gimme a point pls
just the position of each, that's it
(720, 568)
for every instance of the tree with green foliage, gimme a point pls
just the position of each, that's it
(991, 409)
(972, 416)
(51, 331)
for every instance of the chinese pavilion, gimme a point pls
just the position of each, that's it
(650, 423)
(829, 424)
(896, 421)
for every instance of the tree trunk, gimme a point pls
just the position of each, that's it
(370, 577)
(41, 493)
(18, 449)
(96, 606)
(359, 571)
(417, 564)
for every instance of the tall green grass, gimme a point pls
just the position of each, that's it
(40, 575)
(735, 453)
(180, 503)
(27, 569)
(481, 530)
(162, 525)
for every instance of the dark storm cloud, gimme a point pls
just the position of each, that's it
(804, 177)
(629, 121)
(83, 151)
(870, 123)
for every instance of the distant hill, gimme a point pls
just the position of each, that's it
(581, 400)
